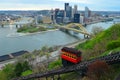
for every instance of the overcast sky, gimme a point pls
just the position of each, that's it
(95, 5)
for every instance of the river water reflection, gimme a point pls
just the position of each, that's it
(11, 41)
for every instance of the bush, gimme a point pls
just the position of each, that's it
(96, 30)
(7, 73)
(113, 44)
(21, 67)
(28, 72)
(99, 70)
(55, 64)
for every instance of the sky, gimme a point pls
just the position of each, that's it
(94, 5)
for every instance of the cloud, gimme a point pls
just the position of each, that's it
(75, 1)
(48, 4)
(20, 6)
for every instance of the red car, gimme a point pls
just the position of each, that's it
(70, 56)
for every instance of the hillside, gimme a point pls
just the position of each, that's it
(104, 43)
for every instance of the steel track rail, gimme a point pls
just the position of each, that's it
(110, 59)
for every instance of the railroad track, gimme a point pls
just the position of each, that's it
(110, 59)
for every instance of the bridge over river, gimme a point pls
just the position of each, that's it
(17, 23)
(75, 27)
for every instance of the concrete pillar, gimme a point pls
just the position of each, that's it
(86, 36)
(20, 26)
(66, 31)
(16, 26)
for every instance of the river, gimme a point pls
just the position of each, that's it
(11, 41)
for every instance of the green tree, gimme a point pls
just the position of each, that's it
(96, 30)
(47, 56)
(44, 48)
(3, 76)
(18, 69)
(21, 67)
(7, 73)
(25, 66)
(113, 44)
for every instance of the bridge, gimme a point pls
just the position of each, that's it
(11, 22)
(76, 27)
(2, 24)
(110, 59)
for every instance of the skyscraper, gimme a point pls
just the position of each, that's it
(87, 12)
(56, 12)
(66, 6)
(69, 12)
(52, 15)
(75, 9)
(76, 18)
(60, 16)
(81, 19)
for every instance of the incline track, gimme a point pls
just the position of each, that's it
(110, 59)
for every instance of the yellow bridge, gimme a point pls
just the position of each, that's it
(76, 28)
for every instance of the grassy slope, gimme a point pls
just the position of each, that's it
(112, 33)
(98, 45)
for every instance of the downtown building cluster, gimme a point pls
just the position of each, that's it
(69, 14)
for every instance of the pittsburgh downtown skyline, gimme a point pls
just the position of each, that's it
(95, 5)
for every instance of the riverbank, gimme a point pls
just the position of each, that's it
(25, 34)
(32, 28)
(40, 32)
(54, 54)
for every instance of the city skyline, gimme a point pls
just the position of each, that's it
(99, 5)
